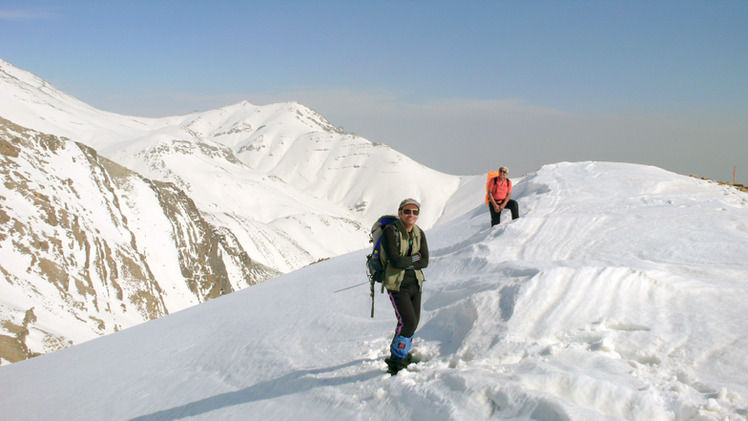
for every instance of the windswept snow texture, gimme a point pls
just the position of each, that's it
(621, 293)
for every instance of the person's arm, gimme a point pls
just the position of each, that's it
(393, 251)
(504, 203)
(423, 252)
(491, 198)
(493, 202)
(508, 195)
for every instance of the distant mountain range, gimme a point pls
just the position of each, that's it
(107, 221)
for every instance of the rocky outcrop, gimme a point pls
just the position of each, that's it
(738, 186)
(88, 247)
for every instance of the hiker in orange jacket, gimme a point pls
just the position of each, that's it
(499, 196)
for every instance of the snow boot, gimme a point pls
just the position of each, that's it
(396, 364)
(399, 354)
(400, 347)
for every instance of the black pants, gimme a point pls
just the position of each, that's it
(512, 205)
(407, 304)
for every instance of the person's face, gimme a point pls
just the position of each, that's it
(503, 172)
(409, 214)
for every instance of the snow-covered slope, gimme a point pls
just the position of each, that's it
(290, 185)
(88, 247)
(621, 293)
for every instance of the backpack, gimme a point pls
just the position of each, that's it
(374, 263)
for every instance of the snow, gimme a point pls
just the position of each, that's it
(278, 184)
(281, 169)
(621, 293)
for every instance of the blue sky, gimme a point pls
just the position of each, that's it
(461, 86)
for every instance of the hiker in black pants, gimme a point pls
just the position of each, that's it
(406, 252)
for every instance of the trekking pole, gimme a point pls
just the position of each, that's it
(371, 282)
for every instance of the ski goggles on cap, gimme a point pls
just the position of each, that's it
(409, 202)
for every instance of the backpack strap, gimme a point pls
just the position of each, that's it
(495, 183)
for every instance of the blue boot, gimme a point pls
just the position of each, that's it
(399, 354)
(400, 347)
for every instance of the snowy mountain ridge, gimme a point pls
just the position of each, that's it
(281, 166)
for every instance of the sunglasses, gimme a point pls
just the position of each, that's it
(505, 172)
(408, 211)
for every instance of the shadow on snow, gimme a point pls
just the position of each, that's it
(295, 382)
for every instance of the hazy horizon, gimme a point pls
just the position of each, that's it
(462, 88)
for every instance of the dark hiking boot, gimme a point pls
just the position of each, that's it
(395, 364)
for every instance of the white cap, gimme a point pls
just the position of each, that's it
(409, 202)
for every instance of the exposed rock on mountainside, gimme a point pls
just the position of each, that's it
(88, 247)
(738, 186)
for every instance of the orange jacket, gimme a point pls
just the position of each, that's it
(499, 191)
